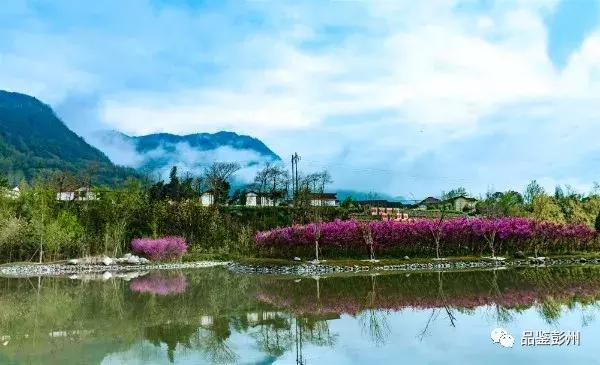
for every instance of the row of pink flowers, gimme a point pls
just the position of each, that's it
(458, 235)
(166, 248)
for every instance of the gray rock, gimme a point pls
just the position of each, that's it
(107, 261)
(520, 254)
(73, 262)
(133, 260)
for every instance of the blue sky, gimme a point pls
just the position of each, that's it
(401, 97)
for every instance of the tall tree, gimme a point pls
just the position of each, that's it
(454, 193)
(532, 191)
(217, 177)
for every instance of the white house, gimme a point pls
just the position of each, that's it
(85, 193)
(254, 199)
(462, 203)
(81, 194)
(65, 195)
(14, 192)
(324, 200)
(207, 198)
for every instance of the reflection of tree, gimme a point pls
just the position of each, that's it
(298, 342)
(503, 314)
(274, 335)
(550, 309)
(214, 342)
(373, 321)
(444, 304)
(170, 334)
(278, 333)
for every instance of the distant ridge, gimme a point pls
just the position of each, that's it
(158, 152)
(33, 140)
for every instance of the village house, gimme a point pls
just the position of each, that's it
(324, 200)
(254, 199)
(13, 193)
(461, 203)
(207, 198)
(81, 194)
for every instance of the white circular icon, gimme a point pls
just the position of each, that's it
(497, 333)
(507, 340)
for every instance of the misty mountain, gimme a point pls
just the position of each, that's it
(157, 153)
(33, 141)
(362, 195)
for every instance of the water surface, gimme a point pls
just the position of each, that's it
(208, 316)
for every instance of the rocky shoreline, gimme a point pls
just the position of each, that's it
(89, 269)
(324, 268)
(98, 269)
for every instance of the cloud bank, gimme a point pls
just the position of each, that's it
(400, 97)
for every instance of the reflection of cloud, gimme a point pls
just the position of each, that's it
(159, 283)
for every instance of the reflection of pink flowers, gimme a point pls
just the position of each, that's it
(159, 283)
(165, 248)
(345, 296)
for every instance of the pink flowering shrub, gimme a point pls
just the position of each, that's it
(159, 283)
(165, 248)
(458, 236)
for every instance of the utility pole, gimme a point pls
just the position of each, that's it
(295, 159)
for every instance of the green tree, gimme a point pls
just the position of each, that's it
(547, 209)
(598, 223)
(532, 191)
(4, 182)
(454, 193)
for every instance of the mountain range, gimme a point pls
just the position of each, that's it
(34, 141)
(157, 153)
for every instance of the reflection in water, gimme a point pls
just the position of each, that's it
(159, 283)
(212, 316)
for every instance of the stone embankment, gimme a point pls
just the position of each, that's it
(92, 266)
(312, 268)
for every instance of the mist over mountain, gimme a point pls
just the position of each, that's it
(372, 195)
(155, 154)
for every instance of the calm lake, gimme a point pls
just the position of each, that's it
(209, 316)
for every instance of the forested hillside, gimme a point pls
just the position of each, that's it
(34, 141)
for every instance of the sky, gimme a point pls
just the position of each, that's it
(402, 97)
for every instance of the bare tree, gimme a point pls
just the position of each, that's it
(273, 180)
(437, 231)
(368, 238)
(216, 177)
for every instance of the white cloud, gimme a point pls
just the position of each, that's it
(389, 95)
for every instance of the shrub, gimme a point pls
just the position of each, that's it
(458, 236)
(166, 248)
(598, 223)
